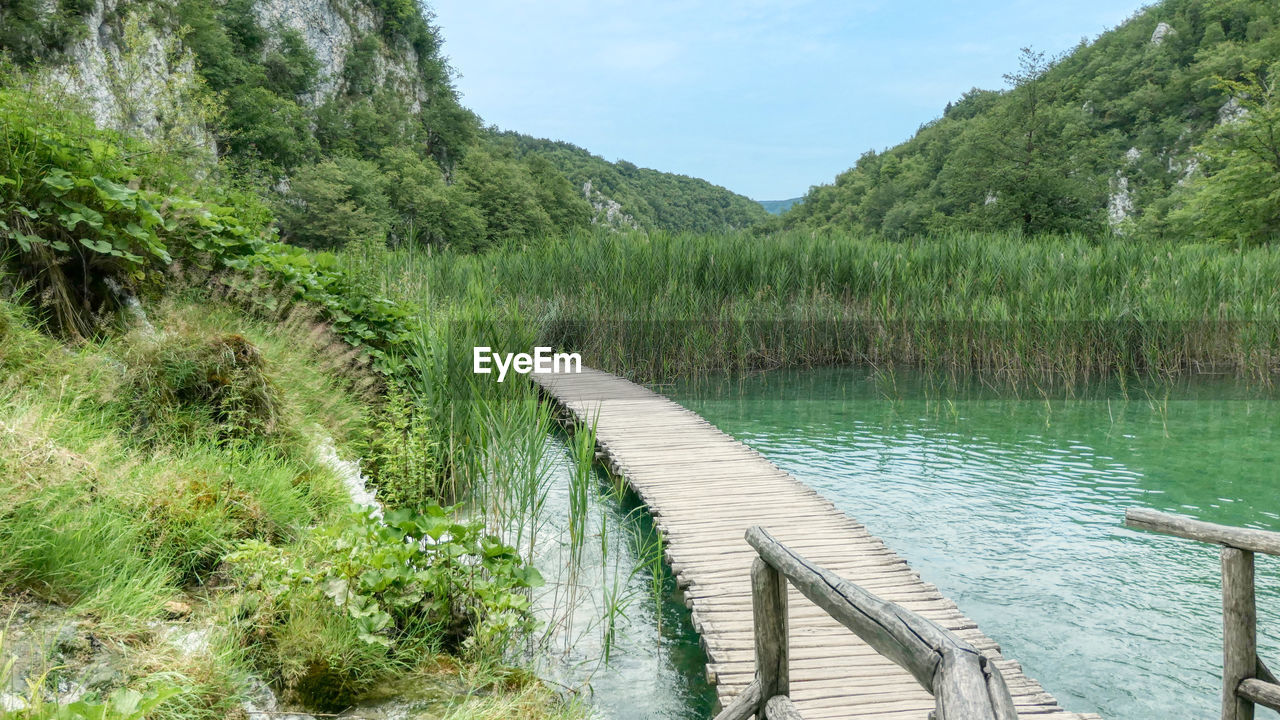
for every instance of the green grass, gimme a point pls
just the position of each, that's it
(112, 522)
(1051, 310)
(134, 464)
(115, 516)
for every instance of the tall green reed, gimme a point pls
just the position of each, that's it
(1050, 311)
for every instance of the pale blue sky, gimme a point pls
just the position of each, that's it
(765, 97)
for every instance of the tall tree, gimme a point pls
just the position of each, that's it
(1027, 164)
(1238, 197)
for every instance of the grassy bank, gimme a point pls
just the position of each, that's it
(1048, 310)
(185, 401)
(178, 489)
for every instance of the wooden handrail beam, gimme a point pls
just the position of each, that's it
(743, 706)
(1263, 693)
(780, 707)
(965, 685)
(1263, 541)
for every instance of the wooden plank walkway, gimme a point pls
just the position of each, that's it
(704, 490)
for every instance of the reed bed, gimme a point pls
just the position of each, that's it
(1060, 311)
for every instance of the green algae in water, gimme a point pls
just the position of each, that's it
(1014, 507)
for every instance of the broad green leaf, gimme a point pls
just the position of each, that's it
(113, 191)
(59, 181)
(125, 701)
(99, 246)
(81, 213)
(433, 527)
(136, 231)
(529, 576)
(26, 241)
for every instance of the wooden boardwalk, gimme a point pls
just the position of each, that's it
(704, 490)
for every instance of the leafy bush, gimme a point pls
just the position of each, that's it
(71, 214)
(387, 591)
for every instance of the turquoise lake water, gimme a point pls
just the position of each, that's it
(1014, 509)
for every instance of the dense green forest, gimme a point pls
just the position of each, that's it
(391, 154)
(646, 199)
(1165, 126)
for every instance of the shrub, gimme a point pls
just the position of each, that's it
(365, 596)
(403, 454)
(71, 216)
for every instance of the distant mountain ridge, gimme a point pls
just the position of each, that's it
(777, 207)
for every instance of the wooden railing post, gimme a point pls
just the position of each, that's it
(1246, 681)
(769, 610)
(1239, 631)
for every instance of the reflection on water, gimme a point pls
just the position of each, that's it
(1014, 508)
(615, 632)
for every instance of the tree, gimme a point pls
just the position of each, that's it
(558, 197)
(1238, 197)
(501, 190)
(335, 202)
(1027, 164)
(427, 210)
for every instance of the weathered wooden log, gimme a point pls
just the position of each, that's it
(780, 707)
(968, 687)
(769, 611)
(998, 690)
(1261, 692)
(1262, 541)
(744, 705)
(1239, 632)
(965, 686)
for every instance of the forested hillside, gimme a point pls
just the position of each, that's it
(1164, 126)
(347, 106)
(623, 195)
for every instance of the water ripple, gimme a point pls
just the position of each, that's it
(1015, 509)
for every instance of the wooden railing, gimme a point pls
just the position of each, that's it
(1245, 679)
(964, 683)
